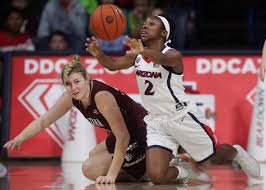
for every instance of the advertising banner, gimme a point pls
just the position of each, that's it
(226, 85)
(232, 81)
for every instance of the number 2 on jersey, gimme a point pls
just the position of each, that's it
(148, 90)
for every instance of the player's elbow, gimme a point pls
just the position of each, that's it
(43, 123)
(123, 138)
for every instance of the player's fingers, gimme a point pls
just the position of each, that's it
(262, 73)
(98, 180)
(139, 42)
(94, 38)
(127, 39)
(106, 180)
(91, 46)
(6, 144)
(18, 147)
(134, 41)
(262, 76)
(9, 145)
(13, 146)
(130, 52)
(127, 43)
(88, 40)
(95, 44)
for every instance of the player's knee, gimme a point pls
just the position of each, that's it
(156, 176)
(92, 153)
(87, 170)
(226, 147)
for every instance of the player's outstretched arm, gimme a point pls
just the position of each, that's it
(263, 63)
(108, 107)
(122, 62)
(172, 57)
(63, 104)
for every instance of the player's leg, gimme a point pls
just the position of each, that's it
(161, 149)
(98, 163)
(134, 166)
(204, 143)
(100, 160)
(227, 152)
(98, 149)
(224, 153)
(197, 141)
(158, 169)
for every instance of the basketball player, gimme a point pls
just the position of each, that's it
(104, 107)
(263, 62)
(173, 118)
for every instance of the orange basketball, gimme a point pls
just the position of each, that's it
(108, 22)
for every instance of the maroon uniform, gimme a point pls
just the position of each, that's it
(133, 114)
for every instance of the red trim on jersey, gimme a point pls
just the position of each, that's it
(146, 59)
(211, 134)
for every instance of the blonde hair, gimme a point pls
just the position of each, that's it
(73, 66)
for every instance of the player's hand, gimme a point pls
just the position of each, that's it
(93, 47)
(262, 70)
(13, 144)
(105, 180)
(135, 46)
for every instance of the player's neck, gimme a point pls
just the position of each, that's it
(87, 98)
(156, 45)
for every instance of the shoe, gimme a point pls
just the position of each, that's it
(174, 162)
(195, 174)
(3, 171)
(182, 176)
(248, 164)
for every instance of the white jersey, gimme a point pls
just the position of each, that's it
(161, 89)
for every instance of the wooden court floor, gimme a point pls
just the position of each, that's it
(32, 175)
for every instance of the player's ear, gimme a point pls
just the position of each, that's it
(164, 33)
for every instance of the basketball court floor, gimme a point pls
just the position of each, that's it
(39, 175)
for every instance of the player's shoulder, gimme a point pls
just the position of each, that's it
(171, 51)
(101, 88)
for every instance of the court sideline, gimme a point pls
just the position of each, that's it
(32, 175)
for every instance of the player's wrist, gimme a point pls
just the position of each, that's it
(99, 55)
(141, 50)
(112, 176)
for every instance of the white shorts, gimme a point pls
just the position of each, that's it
(194, 137)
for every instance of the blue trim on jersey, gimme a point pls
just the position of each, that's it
(170, 89)
(161, 147)
(171, 70)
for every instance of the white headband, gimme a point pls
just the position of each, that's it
(166, 25)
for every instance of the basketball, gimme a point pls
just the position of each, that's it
(108, 22)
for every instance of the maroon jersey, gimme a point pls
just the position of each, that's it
(132, 112)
